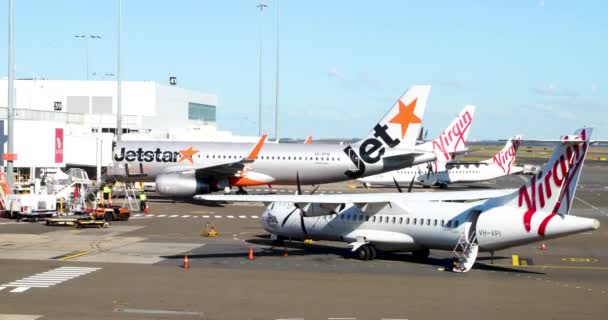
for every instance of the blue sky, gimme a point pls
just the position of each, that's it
(536, 68)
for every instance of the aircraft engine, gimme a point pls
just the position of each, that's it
(180, 185)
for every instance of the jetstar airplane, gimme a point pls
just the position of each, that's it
(189, 168)
(443, 173)
(484, 221)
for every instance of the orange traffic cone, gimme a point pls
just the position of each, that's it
(285, 252)
(543, 247)
(251, 257)
(147, 209)
(186, 264)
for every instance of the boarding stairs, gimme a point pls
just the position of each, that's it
(466, 251)
(63, 186)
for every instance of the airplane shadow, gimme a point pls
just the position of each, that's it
(296, 248)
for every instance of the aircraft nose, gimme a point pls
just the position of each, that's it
(595, 224)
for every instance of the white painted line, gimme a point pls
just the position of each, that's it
(138, 215)
(217, 217)
(254, 217)
(242, 217)
(186, 216)
(150, 215)
(195, 217)
(4, 316)
(20, 289)
(173, 216)
(2, 288)
(206, 217)
(162, 215)
(230, 217)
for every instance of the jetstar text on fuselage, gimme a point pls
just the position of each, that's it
(142, 155)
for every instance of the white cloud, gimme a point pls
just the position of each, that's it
(554, 91)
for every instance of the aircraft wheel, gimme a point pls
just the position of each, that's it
(421, 254)
(108, 216)
(443, 186)
(372, 252)
(362, 253)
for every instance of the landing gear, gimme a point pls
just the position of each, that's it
(366, 252)
(443, 186)
(421, 254)
(241, 191)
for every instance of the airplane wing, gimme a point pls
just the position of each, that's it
(222, 169)
(361, 198)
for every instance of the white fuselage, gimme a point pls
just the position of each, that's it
(441, 173)
(421, 224)
(275, 164)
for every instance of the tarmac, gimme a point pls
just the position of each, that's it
(132, 270)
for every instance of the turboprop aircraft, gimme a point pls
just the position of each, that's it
(443, 173)
(484, 221)
(189, 168)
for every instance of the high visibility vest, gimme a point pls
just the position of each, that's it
(142, 197)
(107, 190)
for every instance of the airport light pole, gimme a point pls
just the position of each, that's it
(261, 6)
(118, 79)
(86, 38)
(10, 178)
(276, 97)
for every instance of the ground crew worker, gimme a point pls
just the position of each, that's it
(142, 201)
(107, 193)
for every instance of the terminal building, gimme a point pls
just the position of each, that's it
(72, 123)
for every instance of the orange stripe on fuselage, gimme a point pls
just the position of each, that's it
(244, 182)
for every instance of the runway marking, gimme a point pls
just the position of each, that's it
(555, 267)
(592, 206)
(186, 216)
(153, 311)
(205, 217)
(242, 217)
(2, 288)
(254, 217)
(230, 217)
(162, 215)
(4, 316)
(138, 215)
(173, 216)
(48, 278)
(580, 259)
(217, 217)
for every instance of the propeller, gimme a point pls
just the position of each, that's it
(409, 189)
(397, 185)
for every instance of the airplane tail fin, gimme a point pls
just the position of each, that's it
(505, 158)
(400, 125)
(553, 188)
(454, 138)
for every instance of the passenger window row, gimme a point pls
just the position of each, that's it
(400, 220)
(208, 156)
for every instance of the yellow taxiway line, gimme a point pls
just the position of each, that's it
(75, 255)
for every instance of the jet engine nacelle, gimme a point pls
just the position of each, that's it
(179, 185)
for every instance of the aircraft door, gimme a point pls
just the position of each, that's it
(353, 165)
(471, 226)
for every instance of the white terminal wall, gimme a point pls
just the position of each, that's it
(34, 145)
(147, 104)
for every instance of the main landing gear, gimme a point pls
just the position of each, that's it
(366, 252)
(241, 191)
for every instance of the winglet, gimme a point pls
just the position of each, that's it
(256, 149)
(308, 140)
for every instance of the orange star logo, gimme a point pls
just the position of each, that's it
(405, 116)
(187, 154)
